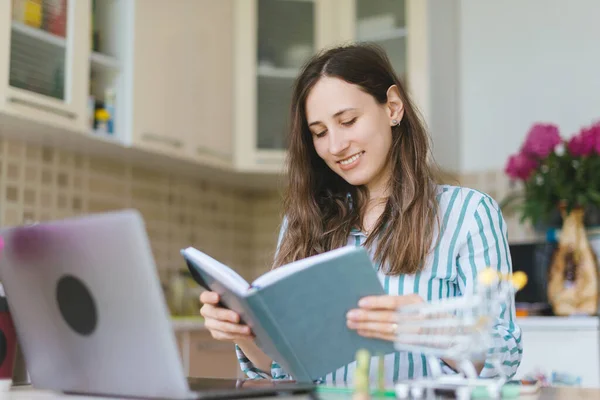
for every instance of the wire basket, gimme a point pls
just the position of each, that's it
(459, 329)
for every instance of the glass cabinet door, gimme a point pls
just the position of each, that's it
(286, 40)
(109, 20)
(39, 47)
(383, 22)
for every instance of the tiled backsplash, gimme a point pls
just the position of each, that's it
(238, 227)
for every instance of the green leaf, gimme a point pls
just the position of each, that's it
(594, 197)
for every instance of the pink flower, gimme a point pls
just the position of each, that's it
(541, 140)
(520, 166)
(586, 142)
(596, 129)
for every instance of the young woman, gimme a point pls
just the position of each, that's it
(359, 175)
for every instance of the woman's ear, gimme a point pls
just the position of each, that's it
(395, 106)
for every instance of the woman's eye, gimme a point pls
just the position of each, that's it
(350, 122)
(320, 134)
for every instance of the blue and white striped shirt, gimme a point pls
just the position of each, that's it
(473, 237)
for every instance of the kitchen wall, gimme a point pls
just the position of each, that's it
(522, 62)
(238, 227)
(497, 67)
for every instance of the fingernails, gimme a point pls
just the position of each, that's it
(351, 324)
(364, 302)
(352, 314)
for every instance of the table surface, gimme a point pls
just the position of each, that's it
(22, 393)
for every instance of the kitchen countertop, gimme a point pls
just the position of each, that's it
(559, 323)
(24, 393)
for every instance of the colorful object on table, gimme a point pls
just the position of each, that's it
(361, 376)
(8, 339)
(519, 280)
(488, 276)
(565, 379)
(458, 329)
(380, 373)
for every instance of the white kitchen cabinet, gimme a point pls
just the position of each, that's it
(43, 61)
(155, 31)
(110, 68)
(64, 58)
(382, 22)
(203, 83)
(272, 40)
(182, 79)
(562, 345)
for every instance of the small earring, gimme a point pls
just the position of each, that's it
(394, 122)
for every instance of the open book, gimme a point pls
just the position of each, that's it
(298, 311)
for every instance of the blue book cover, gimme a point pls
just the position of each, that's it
(298, 311)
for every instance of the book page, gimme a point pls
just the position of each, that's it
(219, 271)
(290, 269)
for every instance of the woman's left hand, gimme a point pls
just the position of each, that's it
(376, 316)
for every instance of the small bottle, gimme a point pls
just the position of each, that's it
(109, 105)
(102, 117)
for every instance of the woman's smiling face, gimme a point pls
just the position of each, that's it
(351, 132)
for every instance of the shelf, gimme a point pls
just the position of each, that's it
(103, 61)
(384, 35)
(106, 137)
(38, 34)
(274, 72)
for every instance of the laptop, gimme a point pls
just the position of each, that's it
(91, 317)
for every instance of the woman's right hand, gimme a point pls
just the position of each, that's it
(222, 323)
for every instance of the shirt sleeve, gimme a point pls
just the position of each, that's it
(487, 246)
(251, 371)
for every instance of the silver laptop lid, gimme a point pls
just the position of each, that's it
(88, 308)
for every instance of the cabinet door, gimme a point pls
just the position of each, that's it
(211, 358)
(44, 60)
(110, 73)
(201, 67)
(273, 39)
(154, 28)
(382, 22)
(570, 351)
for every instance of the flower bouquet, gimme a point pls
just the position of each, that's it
(564, 175)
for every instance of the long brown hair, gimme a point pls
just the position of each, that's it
(321, 207)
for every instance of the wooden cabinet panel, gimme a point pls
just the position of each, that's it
(211, 358)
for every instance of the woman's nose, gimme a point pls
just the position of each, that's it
(338, 143)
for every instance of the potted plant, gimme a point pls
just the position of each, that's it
(555, 175)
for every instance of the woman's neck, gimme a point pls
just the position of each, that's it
(373, 210)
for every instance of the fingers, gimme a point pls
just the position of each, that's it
(387, 302)
(219, 335)
(377, 334)
(222, 323)
(359, 315)
(209, 297)
(228, 328)
(218, 313)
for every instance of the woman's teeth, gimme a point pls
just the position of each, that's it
(351, 159)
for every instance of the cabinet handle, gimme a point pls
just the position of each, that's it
(162, 139)
(43, 107)
(203, 150)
